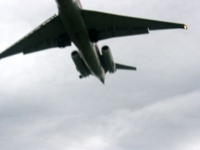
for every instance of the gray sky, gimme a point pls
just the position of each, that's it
(45, 106)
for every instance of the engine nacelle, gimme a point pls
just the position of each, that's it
(108, 59)
(80, 64)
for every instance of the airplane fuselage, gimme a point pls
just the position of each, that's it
(70, 14)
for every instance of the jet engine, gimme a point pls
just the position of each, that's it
(108, 59)
(80, 64)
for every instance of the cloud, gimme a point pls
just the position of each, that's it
(168, 124)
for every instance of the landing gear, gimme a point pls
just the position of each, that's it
(63, 41)
(93, 33)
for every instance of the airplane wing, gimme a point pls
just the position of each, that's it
(50, 34)
(103, 26)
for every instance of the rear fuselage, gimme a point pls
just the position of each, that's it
(70, 14)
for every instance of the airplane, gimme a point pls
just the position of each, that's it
(85, 28)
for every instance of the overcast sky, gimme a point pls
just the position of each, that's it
(45, 106)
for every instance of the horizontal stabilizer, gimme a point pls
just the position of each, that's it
(119, 66)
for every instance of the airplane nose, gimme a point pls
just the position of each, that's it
(102, 80)
(100, 74)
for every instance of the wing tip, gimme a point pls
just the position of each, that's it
(185, 26)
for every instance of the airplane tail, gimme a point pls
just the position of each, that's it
(124, 67)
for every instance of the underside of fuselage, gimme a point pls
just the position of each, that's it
(70, 14)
